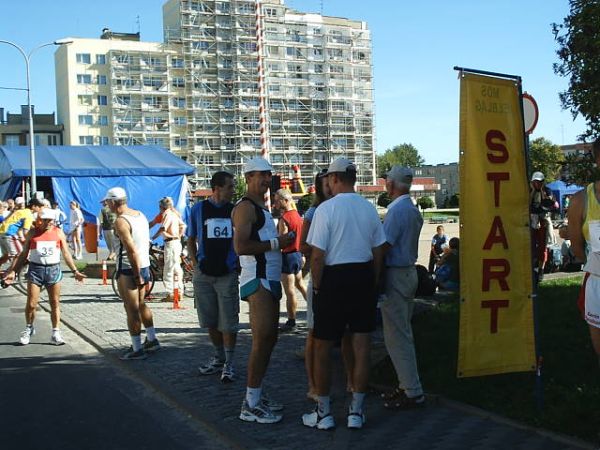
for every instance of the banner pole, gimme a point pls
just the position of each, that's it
(491, 74)
(539, 386)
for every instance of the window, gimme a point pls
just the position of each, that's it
(177, 63)
(83, 58)
(444, 181)
(52, 139)
(86, 140)
(178, 82)
(104, 140)
(200, 45)
(270, 12)
(102, 100)
(179, 121)
(180, 142)
(103, 121)
(84, 100)
(178, 102)
(84, 79)
(85, 119)
(11, 139)
(100, 59)
(101, 79)
(319, 68)
(124, 100)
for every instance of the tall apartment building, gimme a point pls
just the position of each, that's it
(198, 93)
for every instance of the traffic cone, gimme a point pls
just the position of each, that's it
(104, 273)
(176, 292)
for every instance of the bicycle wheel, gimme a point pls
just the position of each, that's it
(20, 283)
(188, 285)
(113, 282)
(115, 287)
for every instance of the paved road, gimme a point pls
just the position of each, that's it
(98, 316)
(68, 397)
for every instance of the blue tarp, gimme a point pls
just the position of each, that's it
(85, 173)
(560, 190)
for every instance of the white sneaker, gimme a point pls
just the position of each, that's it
(321, 423)
(270, 403)
(356, 420)
(26, 335)
(56, 338)
(259, 414)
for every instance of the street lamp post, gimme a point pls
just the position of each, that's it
(27, 58)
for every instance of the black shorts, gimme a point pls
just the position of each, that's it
(144, 273)
(346, 301)
(291, 263)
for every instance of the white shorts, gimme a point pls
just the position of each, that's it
(592, 301)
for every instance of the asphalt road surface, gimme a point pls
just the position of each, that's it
(71, 397)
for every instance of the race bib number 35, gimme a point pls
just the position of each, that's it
(219, 228)
(46, 248)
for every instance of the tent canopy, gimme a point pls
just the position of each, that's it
(560, 189)
(84, 174)
(88, 161)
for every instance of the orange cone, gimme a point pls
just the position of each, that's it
(104, 273)
(176, 292)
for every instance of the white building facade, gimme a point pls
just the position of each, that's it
(198, 93)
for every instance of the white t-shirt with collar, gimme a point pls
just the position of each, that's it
(347, 228)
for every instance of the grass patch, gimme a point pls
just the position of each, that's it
(571, 381)
(430, 214)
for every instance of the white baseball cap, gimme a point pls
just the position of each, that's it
(537, 176)
(116, 193)
(341, 165)
(257, 164)
(19, 201)
(47, 213)
(401, 174)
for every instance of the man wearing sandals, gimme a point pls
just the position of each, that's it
(346, 238)
(402, 226)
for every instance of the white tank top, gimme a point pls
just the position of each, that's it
(141, 239)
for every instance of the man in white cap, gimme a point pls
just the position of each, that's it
(13, 230)
(541, 203)
(403, 223)
(347, 240)
(133, 266)
(256, 242)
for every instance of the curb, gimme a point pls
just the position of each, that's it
(433, 399)
(228, 437)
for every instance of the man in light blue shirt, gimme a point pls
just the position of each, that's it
(402, 226)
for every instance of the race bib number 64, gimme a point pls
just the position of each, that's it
(219, 228)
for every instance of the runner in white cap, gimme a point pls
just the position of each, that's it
(133, 265)
(43, 246)
(256, 242)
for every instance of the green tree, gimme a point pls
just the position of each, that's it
(546, 157)
(402, 155)
(240, 189)
(425, 203)
(304, 202)
(384, 200)
(454, 200)
(578, 37)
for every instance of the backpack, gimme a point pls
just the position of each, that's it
(426, 286)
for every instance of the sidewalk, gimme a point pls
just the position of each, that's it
(93, 312)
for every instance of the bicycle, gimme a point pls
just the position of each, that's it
(157, 264)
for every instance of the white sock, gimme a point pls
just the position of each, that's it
(151, 333)
(253, 396)
(324, 405)
(55, 330)
(357, 402)
(136, 342)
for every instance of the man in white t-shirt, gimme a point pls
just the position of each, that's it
(347, 239)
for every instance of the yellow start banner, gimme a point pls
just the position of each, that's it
(496, 311)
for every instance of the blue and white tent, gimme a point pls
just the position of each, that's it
(85, 173)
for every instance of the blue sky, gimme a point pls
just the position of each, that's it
(415, 46)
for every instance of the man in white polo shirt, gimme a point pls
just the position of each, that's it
(347, 239)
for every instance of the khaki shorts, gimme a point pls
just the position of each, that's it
(217, 301)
